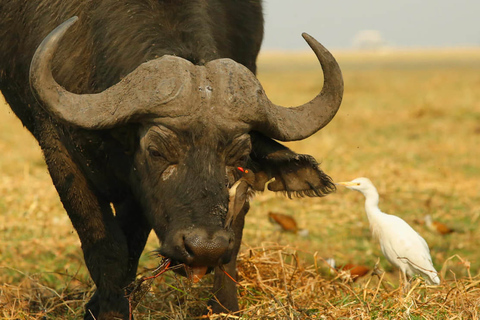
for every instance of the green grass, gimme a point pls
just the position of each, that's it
(409, 122)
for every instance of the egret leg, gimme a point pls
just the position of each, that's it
(405, 283)
(407, 310)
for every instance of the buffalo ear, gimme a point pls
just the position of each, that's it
(295, 174)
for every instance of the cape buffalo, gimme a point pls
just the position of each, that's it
(143, 110)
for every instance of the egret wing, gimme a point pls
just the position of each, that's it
(406, 246)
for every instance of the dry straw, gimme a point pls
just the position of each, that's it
(274, 283)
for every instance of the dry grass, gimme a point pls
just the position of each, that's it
(410, 121)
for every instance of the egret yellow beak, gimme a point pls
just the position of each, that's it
(348, 184)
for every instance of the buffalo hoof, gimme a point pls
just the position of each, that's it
(113, 307)
(228, 305)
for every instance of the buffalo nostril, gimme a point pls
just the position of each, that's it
(205, 248)
(187, 246)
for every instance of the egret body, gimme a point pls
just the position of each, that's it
(402, 246)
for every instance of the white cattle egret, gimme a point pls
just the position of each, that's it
(402, 246)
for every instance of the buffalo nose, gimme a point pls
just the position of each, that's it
(208, 249)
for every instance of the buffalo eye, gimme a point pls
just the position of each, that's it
(243, 159)
(238, 151)
(154, 153)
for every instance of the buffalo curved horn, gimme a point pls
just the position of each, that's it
(289, 124)
(137, 96)
(118, 104)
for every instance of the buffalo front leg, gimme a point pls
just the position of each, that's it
(224, 288)
(136, 229)
(104, 245)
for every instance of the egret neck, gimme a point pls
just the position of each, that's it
(372, 210)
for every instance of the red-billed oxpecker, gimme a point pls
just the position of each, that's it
(240, 192)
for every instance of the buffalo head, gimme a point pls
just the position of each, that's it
(196, 125)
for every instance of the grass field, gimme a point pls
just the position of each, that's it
(410, 121)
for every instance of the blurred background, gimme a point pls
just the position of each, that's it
(349, 24)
